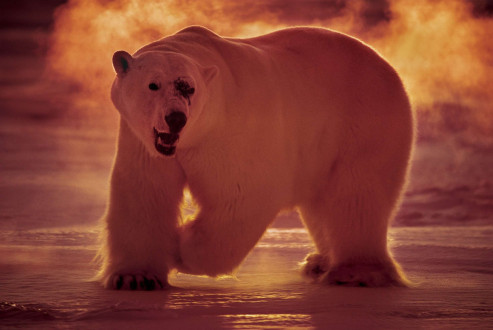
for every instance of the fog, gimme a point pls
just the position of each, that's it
(440, 48)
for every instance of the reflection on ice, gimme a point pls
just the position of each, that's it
(267, 321)
(286, 238)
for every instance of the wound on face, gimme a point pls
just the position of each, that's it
(184, 89)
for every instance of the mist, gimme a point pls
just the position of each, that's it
(440, 48)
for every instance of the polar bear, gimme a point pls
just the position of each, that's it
(303, 118)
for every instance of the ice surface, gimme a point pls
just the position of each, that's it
(45, 283)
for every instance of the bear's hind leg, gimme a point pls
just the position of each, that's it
(348, 224)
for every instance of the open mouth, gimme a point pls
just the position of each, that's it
(165, 142)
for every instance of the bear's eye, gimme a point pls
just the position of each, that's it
(153, 87)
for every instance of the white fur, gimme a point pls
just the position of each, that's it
(302, 117)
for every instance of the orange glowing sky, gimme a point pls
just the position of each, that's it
(441, 49)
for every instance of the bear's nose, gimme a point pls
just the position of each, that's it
(176, 120)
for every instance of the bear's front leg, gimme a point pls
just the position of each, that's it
(221, 236)
(140, 238)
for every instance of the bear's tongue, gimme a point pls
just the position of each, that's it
(167, 138)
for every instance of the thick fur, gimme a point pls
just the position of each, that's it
(302, 117)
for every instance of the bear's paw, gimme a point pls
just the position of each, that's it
(143, 282)
(314, 266)
(364, 275)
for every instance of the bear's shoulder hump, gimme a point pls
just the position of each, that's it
(198, 30)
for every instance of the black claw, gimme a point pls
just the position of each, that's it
(151, 285)
(119, 282)
(137, 282)
(133, 284)
(317, 270)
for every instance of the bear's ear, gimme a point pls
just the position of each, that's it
(209, 73)
(121, 62)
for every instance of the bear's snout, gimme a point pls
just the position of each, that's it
(176, 121)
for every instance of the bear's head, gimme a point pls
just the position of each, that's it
(160, 95)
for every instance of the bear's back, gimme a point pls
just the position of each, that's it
(304, 41)
(308, 50)
(307, 47)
